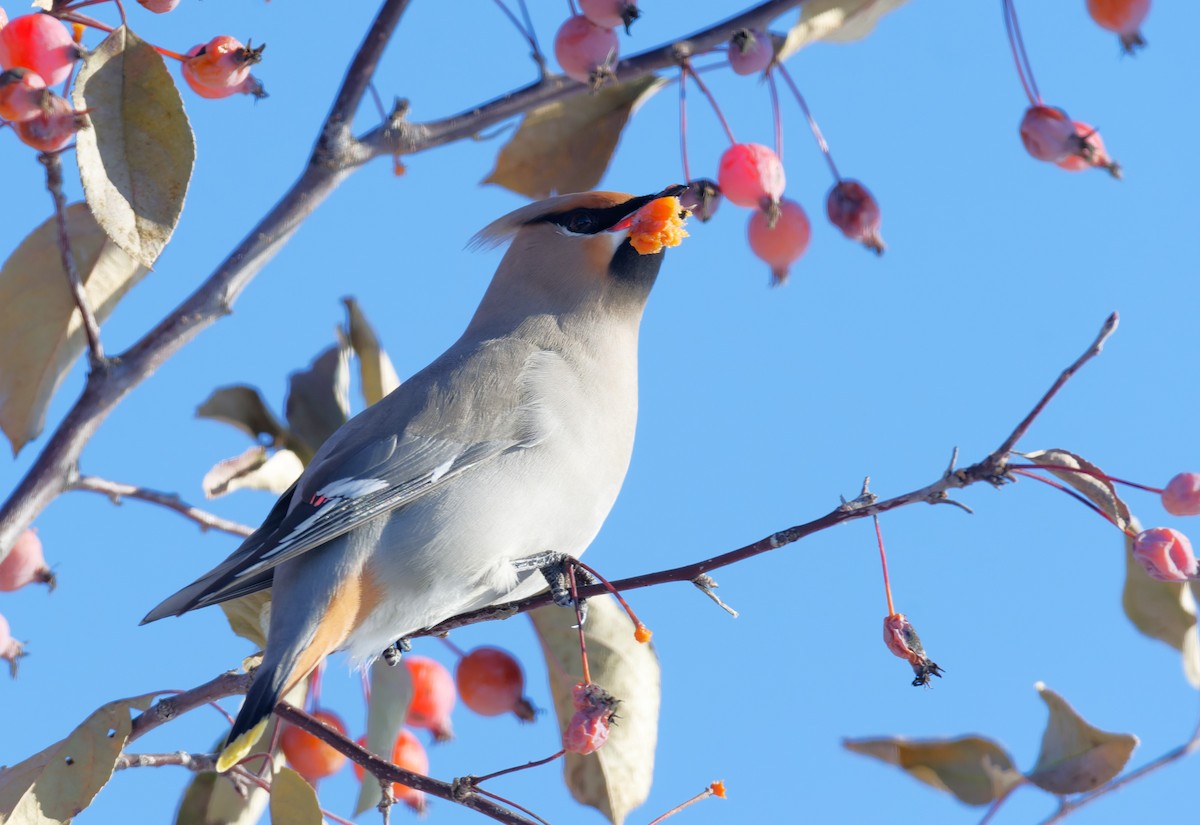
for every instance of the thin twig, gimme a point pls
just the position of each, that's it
(54, 182)
(116, 491)
(198, 762)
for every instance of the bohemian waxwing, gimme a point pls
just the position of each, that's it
(511, 445)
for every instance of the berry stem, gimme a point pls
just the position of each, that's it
(700, 797)
(455, 649)
(887, 583)
(775, 113)
(1086, 472)
(1077, 496)
(84, 20)
(526, 30)
(609, 587)
(812, 122)
(687, 67)
(687, 175)
(587, 673)
(535, 764)
(1020, 57)
(510, 803)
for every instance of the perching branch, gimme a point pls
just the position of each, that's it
(116, 491)
(335, 156)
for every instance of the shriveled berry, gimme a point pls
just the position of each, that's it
(1048, 134)
(588, 728)
(23, 94)
(783, 244)
(10, 648)
(853, 209)
(1124, 17)
(1181, 496)
(1089, 152)
(159, 6)
(902, 640)
(407, 753)
(433, 696)
(53, 127)
(25, 564)
(701, 198)
(1165, 554)
(40, 43)
(585, 51)
(313, 758)
(608, 14)
(490, 681)
(221, 67)
(750, 51)
(750, 174)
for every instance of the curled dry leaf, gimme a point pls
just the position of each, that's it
(243, 407)
(41, 334)
(566, 146)
(253, 470)
(616, 778)
(136, 160)
(1077, 757)
(1100, 491)
(975, 769)
(837, 21)
(318, 400)
(376, 372)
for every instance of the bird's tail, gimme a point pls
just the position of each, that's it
(268, 687)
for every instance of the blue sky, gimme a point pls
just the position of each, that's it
(759, 407)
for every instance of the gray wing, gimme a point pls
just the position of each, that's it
(460, 413)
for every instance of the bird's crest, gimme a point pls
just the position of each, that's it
(503, 229)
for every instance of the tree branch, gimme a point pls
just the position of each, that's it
(115, 490)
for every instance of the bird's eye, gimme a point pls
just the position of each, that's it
(580, 223)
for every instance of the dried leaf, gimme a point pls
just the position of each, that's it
(391, 693)
(243, 407)
(837, 21)
(566, 146)
(377, 374)
(975, 769)
(318, 400)
(247, 616)
(293, 800)
(41, 334)
(136, 160)
(1077, 757)
(617, 778)
(1100, 491)
(253, 470)
(56, 784)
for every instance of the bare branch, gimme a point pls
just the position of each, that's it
(116, 491)
(198, 762)
(54, 182)
(231, 683)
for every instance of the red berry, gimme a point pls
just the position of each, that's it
(608, 14)
(701, 198)
(52, 128)
(490, 681)
(40, 43)
(589, 726)
(585, 51)
(25, 564)
(433, 696)
(23, 94)
(853, 209)
(1124, 17)
(1166, 554)
(407, 753)
(221, 67)
(780, 245)
(1089, 152)
(1181, 497)
(313, 758)
(1048, 134)
(750, 51)
(10, 648)
(159, 6)
(750, 174)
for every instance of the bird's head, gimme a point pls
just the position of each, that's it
(569, 253)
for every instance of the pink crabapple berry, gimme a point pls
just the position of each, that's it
(701, 198)
(750, 173)
(1123, 17)
(1048, 134)
(588, 729)
(159, 6)
(10, 648)
(783, 244)
(23, 94)
(40, 43)
(1181, 496)
(608, 14)
(1089, 153)
(1165, 554)
(52, 128)
(853, 209)
(221, 67)
(585, 51)
(750, 51)
(25, 564)
(433, 696)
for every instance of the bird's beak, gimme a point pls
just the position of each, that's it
(632, 205)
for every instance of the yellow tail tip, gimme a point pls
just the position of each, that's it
(236, 750)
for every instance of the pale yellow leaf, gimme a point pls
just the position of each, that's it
(253, 470)
(243, 407)
(617, 778)
(391, 693)
(837, 21)
(247, 616)
(136, 160)
(41, 334)
(376, 372)
(566, 146)
(975, 769)
(293, 800)
(1077, 757)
